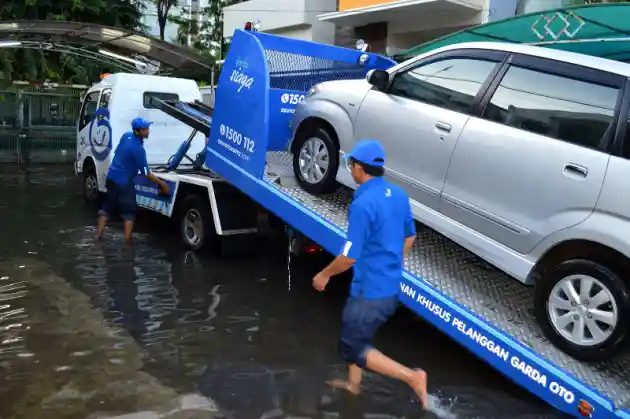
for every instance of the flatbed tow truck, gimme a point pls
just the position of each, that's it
(475, 304)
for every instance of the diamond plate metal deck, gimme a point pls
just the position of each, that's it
(489, 293)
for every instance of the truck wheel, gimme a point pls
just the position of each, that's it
(91, 193)
(583, 308)
(316, 161)
(195, 223)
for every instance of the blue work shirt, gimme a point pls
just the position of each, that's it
(129, 160)
(380, 219)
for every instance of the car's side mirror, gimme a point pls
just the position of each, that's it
(378, 79)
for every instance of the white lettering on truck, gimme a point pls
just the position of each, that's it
(241, 79)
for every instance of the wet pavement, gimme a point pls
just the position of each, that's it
(91, 330)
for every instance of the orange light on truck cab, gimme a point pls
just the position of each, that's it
(105, 75)
(585, 409)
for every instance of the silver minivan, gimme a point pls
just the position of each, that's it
(518, 153)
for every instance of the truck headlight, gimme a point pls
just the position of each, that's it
(315, 89)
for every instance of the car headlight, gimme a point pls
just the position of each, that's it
(315, 89)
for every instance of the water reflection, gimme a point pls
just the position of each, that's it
(92, 329)
(13, 318)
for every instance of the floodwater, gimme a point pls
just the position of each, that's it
(91, 330)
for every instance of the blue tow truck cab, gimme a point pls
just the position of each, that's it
(262, 80)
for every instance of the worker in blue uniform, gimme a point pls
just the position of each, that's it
(381, 231)
(130, 159)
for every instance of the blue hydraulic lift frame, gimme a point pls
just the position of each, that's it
(250, 119)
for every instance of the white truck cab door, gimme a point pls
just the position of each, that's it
(88, 108)
(421, 115)
(534, 162)
(102, 141)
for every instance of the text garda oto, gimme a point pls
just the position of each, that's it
(234, 141)
(494, 348)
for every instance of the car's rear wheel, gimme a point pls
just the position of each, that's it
(316, 161)
(583, 308)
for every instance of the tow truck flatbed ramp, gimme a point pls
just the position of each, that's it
(477, 305)
(195, 115)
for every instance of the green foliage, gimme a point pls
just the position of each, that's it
(32, 64)
(205, 29)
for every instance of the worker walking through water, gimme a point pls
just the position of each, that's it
(381, 231)
(130, 159)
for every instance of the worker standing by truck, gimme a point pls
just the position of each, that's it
(381, 231)
(130, 159)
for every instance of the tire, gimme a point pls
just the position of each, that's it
(195, 223)
(91, 193)
(319, 139)
(548, 313)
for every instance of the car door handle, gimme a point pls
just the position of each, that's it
(443, 126)
(576, 169)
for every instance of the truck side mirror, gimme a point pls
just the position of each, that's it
(378, 79)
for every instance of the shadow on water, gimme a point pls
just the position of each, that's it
(94, 330)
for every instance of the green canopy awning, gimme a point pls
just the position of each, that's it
(601, 30)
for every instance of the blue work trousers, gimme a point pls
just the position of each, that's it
(121, 200)
(360, 320)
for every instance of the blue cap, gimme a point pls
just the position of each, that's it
(369, 152)
(140, 123)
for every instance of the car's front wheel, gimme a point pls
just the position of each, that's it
(583, 308)
(316, 161)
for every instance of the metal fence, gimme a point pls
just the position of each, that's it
(38, 124)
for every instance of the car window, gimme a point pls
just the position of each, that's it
(88, 109)
(625, 145)
(555, 106)
(148, 98)
(105, 96)
(449, 83)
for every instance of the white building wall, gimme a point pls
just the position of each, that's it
(416, 30)
(291, 18)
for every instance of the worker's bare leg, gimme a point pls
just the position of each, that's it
(100, 226)
(128, 229)
(353, 385)
(416, 379)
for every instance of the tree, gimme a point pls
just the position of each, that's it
(42, 64)
(163, 9)
(205, 28)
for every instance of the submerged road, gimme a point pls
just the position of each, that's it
(91, 330)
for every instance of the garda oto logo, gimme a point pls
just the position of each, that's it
(240, 77)
(100, 134)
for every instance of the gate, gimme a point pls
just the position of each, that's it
(37, 123)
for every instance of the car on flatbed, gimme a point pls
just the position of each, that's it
(517, 153)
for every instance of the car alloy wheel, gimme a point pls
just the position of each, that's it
(314, 159)
(582, 310)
